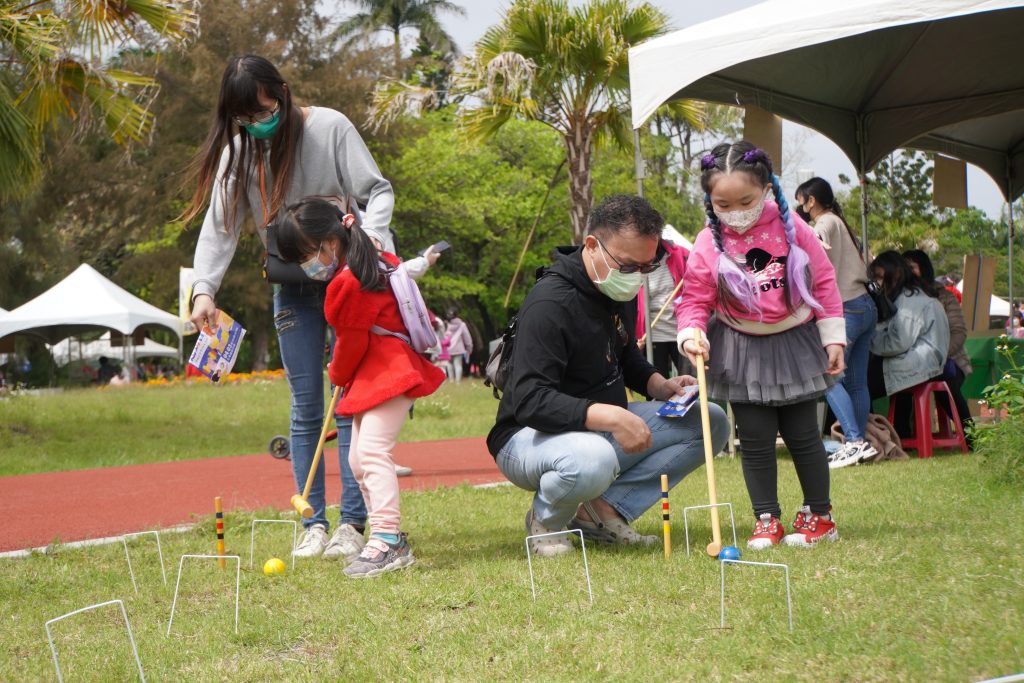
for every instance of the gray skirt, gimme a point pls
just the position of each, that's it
(773, 370)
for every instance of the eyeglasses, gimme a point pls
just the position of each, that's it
(259, 117)
(626, 269)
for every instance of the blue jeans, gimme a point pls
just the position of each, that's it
(302, 332)
(568, 469)
(849, 397)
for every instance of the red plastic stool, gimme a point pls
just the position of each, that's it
(923, 440)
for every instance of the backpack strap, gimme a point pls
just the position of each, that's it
(377, 329)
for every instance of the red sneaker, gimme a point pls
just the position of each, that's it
(809, 529)
(767, 532)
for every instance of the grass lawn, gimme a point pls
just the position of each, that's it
(90, 427)
(926, 585)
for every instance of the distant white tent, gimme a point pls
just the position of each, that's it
(71, 349)
(85, 301)
(996, 305)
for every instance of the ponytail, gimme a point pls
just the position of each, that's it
(364, 260)
(798, 264)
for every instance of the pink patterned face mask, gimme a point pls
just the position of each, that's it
(741, 221)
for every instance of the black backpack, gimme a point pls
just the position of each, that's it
(499, 365)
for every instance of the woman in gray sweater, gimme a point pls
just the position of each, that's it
(264, 152)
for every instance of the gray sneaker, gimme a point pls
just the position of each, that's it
(346, 542)
(613, 531)
(403, 471)
(379, 556)
(549, 546)
(312, 543)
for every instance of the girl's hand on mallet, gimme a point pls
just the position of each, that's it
(691, 350)
(836, 360)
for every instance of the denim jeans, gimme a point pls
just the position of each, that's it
(303, 332)
(568, 469)
(849, 398)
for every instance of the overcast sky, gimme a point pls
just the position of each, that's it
(818, 154)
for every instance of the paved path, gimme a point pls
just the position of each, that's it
(37, 509)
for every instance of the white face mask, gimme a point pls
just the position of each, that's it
(741, 221)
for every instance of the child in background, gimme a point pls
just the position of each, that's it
(778, 337)
(381, 374)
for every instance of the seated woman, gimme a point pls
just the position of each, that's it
(910, 347)
(958, 365)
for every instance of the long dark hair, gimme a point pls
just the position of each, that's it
(736, 288)
(301, 228)
(898, 277)
(924, 264)
(821, 190)
(244, 79)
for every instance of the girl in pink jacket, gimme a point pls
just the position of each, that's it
(776, 342)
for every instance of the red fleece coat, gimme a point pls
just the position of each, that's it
(372, 368)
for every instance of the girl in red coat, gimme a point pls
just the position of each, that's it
(381, 374)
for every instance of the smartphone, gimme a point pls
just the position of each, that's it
(439, 247)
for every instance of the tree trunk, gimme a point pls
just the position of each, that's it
(260, 348)
(579, 148)
(398, 55)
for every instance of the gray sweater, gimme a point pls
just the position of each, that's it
(332, 161)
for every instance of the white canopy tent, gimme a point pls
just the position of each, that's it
(71, 349)
(81, 302)
(871, 75)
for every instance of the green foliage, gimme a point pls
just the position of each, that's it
(1002, 444)
(56, 73)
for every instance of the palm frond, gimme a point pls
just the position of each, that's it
(393, 99)
(19, 157)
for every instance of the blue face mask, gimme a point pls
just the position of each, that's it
(264, 130)
(315, 269)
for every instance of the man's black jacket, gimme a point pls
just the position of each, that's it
(574, 347)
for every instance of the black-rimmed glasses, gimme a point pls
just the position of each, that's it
(258, 117)
(626, 269)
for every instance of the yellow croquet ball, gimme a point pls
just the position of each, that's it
(273, 566)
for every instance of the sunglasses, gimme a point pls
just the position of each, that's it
(643, 268)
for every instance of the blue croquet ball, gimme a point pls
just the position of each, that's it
(729, 552)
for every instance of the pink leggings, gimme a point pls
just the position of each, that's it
(374, 434)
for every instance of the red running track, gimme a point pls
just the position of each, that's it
(38, 509)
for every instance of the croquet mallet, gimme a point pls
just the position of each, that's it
(715, 547)
(675, 292)
(300, 502)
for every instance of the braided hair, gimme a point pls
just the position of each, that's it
(736, 287)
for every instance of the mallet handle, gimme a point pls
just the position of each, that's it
(320, 445)
(709, 456)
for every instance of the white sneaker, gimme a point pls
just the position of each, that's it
(312, 543)
(853, 453)
(550, 546)
(402, 470)
(346, 542)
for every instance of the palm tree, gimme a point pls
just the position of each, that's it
(394, 15)
(566, 67)
(53, 71)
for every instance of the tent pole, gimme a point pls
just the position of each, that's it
(862, 176)
(1009, 242)
(638, 162)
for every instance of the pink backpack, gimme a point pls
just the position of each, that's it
(413, 310)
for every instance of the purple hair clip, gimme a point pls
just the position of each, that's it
(707, 162)
(756, 154)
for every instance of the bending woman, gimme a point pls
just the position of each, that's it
(263, 152)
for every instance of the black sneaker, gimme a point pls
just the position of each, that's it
(379, 556)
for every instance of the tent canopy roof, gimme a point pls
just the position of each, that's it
(871, 75)
(67, 350)
(84, 301)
